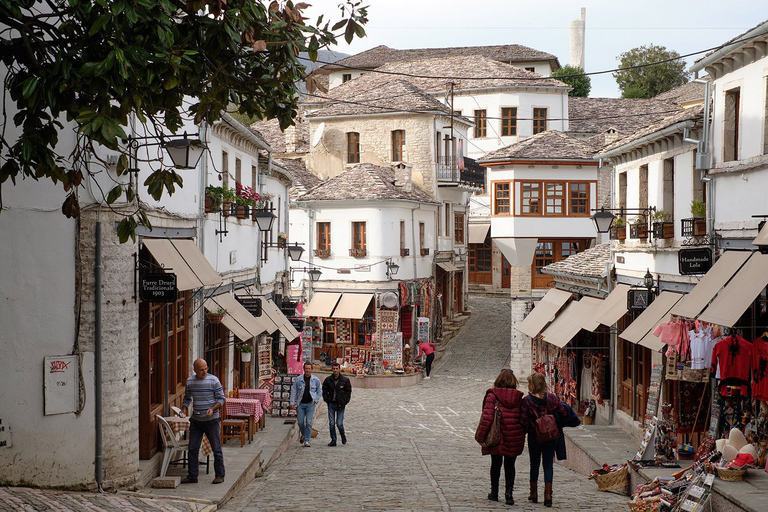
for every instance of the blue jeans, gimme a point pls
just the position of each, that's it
(335, 418)
(212, 431)
(304, 414)
(541, 453)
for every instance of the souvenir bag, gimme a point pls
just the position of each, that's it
(493, 437)
(545, 428)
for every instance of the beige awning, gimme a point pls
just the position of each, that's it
(544, 312)
(183, 258)
(478, 233)
(518, 251)
(739, 293)
(322, 304)
(713, 281)
(762, 236)
(614, 306)
(352, 305)
(447, 266)
(590, 323)
(237, 319)
(570, 321)
(651, 317)
(282, 323)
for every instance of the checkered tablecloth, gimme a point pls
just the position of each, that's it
(181, 425)
(249, 406)
(262, 395)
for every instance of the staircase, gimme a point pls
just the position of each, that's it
(486, 290)
(453, 326)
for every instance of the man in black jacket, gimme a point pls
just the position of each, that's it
(337, 391)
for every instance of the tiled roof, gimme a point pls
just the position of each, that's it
(391, 95)
(686, 93)
(303, 179)
(596, 115)
(381, 55)
(549, 145)
(276, 138)
(589, 263)
(737, 38)
(688, 114)
(364, 181)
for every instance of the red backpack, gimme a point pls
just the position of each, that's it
(545, 427)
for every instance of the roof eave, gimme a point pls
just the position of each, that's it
(651, 137)
(729, 48)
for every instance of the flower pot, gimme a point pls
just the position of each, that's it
(211, 204)
(281, 243)
(242, 211)
(226, 208)
(639, 231)
(214, 318)
(663, 230)
(245, 357)
(699, 227)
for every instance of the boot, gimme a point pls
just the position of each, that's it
(508, 495)
(534, 496)
(494, 494)
(547, 494)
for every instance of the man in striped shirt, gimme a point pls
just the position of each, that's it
(207, 397)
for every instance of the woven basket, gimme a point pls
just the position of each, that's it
(731, 475)
(612, 481)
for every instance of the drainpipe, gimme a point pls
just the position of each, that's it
(97, 369)
(201, 218)
(413, 321)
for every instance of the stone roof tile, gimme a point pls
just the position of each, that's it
(549, 145)
(625, 115)
(686, 93)
(589, 263)
(689, 114)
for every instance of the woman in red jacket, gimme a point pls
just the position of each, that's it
(512, 432)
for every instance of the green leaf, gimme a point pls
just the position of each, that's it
(29, 86)
(99, 24)
(114, 194)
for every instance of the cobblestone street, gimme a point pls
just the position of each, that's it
(413, 448)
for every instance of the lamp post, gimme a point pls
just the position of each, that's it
(392, 269)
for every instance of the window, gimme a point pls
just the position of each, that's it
(254, 177)
(422, 230)
(447, 218)
(578, 199)
(539, 120)
(532, 70)
(346, 77)
(501, 198)
(238, 171)
(622, 190)
(668, 187)
(551, 251)
(353, 148)
(530, 202)
(358, 236)
(731, 125)
(402, 237)
(458, 228)
(765, 121)
(225, 169)
(555, 198)
(642, 199)
(508, 121)
(398, 145)
(324, 236)
(480, 123)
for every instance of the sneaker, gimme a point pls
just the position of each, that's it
(426, 378)
(306, 445)
(218, 480)
(343, 439)
(301, 440)
(332, 443)
(187, 480)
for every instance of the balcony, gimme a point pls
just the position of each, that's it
(358, 252)
(449, 174)
(322, 253)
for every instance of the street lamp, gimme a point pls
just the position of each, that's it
(648, 280)
(295, 251)
(313, 272)
(185, 152)
(603, 220)
(392, 269)
(264, 219)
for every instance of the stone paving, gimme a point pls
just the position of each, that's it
(413, 448)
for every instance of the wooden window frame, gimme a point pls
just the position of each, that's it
(398, 145)
(224, 168)
(353, 147)
(553, 199)
(481, 123)
(238, 170)
(346, 77)
(509, 121)
(324, 236)
(422, 234)
(459, 219)
(539, 121)
(575, 200)
(497, 207)
(402, 236)
(523, 199)
(359, 236)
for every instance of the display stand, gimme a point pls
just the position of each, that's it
(392, 349)
(281, 396)
(265, 360)
(697, 494)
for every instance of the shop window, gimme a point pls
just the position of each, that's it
(353, 148)
(501, 198)
(481, 118)
(508, 121)
(578, 199)
(398, 145)
(458, 228)
(539, 120)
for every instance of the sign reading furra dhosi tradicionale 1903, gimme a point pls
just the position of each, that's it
(158, 287)
(694, 261)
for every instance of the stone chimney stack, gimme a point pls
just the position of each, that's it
(577, 30)
(403, 177)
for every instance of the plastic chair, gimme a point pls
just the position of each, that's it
(171, 445)
(232, 428)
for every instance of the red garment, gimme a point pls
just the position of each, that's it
(534, 407)
(675, 334)
(512, 431)
(760, 369)
(425, 348)
(734, 355)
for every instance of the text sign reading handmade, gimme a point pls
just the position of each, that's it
(158, 287)
(694, 261)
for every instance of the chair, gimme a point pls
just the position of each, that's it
(232, 428)
(176, 410)
(171, 445)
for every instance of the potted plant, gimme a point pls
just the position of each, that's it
(663, 227)
(242, 207)
(260, 202)
(638, 228)
(228, 199)
(246, 351)
(215, 317)
(282, 240)
(214, 196)
(618, 231)
(699, 212)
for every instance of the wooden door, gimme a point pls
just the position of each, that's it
(480, 268)
(458, 292)
(506, 272)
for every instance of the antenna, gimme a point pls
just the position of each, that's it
(318, 135)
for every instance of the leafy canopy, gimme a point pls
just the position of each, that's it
(636, 80)
(575, 77)
(97, 62)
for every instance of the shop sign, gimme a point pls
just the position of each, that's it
(694, 261)
(639, 299)
(251, 304)
(158, 287)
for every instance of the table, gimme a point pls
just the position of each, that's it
(249, 406)
(181, 426)
(262, 395)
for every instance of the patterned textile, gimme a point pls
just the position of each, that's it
(692, 411)
(438, 329)
(386, 321)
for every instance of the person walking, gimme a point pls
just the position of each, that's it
(337, 390)
(206, 395)
(505, 392)
(428, 349)
(536, 404)
(305, 393)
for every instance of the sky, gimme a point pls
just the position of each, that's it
(612, 27)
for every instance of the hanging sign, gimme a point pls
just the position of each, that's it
(158, 287)
(694, 261)
(639, 299)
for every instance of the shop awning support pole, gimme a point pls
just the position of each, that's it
(165, 342)
(97, 370)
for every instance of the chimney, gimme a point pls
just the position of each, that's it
(577, 30)
(403, 177)
(611, 135)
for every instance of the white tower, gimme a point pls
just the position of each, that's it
(577, 36)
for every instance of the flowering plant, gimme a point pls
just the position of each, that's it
(282, 236)
(247, 195)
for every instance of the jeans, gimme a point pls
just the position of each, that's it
(428, 366)
(211, 429)
(304, 414)
(541, 453)
(335, 418)
(509, 472)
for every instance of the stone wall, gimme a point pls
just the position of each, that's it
(520, 344)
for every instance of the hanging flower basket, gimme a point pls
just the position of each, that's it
(245, 357)
(216, 317)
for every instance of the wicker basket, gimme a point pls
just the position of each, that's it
(612, 481)
(731, 475)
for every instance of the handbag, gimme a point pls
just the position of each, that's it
(493, 437)
(545, 428)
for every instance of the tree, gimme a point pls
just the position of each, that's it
(575, 77)
(97, 62)
(638, 79)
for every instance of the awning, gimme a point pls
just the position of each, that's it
(739, 293)
(447, 266)
(478, 233)
(614, 306)
(544, 312)
(322, 304)
(651, 317)
(237, 319)
(721, 272)
(518, 251)
(281, 322)
(570, 321)
(352, 305)
(183, 258)
(762, 236)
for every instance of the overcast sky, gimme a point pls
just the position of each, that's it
(612, 26)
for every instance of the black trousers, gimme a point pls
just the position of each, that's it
(428, 366)
(509, 472)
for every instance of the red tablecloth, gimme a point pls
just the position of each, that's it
(249, 406)
(262, 395)
(181, 425)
